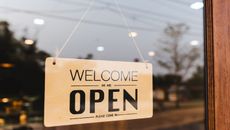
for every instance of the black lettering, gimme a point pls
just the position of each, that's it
(95, 77)
(130, 99)
(112, 75)
(111, 100)
(76, 72)
(72, 102)
(102, 77)
(134, 75)
(93, 99)
(87, 75)
(123, 76)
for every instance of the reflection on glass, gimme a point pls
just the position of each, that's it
(169, 35)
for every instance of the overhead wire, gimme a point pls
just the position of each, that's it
(76, 19)
(176, 4)
(182, 2)
(145, 11)
(93, 22)
(106, 24)
(157, 16)
(141, 20)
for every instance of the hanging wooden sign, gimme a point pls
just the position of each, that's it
(87, 91)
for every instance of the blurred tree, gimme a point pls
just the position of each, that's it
(9, 47)
(196, 83)
(89, 56)
(25, 75)
(197, 77)
(136, 60)
(177, 59)
(166, 80)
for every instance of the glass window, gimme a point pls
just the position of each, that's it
(169, 34)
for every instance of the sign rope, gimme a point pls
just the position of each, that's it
(58, 52)
(81, 20)
(129, 31)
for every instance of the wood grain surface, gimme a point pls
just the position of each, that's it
(217, 32)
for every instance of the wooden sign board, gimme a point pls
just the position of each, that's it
(87, 91)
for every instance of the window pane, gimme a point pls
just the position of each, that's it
(168, 34)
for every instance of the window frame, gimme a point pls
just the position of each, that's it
(217, 65)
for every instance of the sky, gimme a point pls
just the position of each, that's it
(103, 26)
